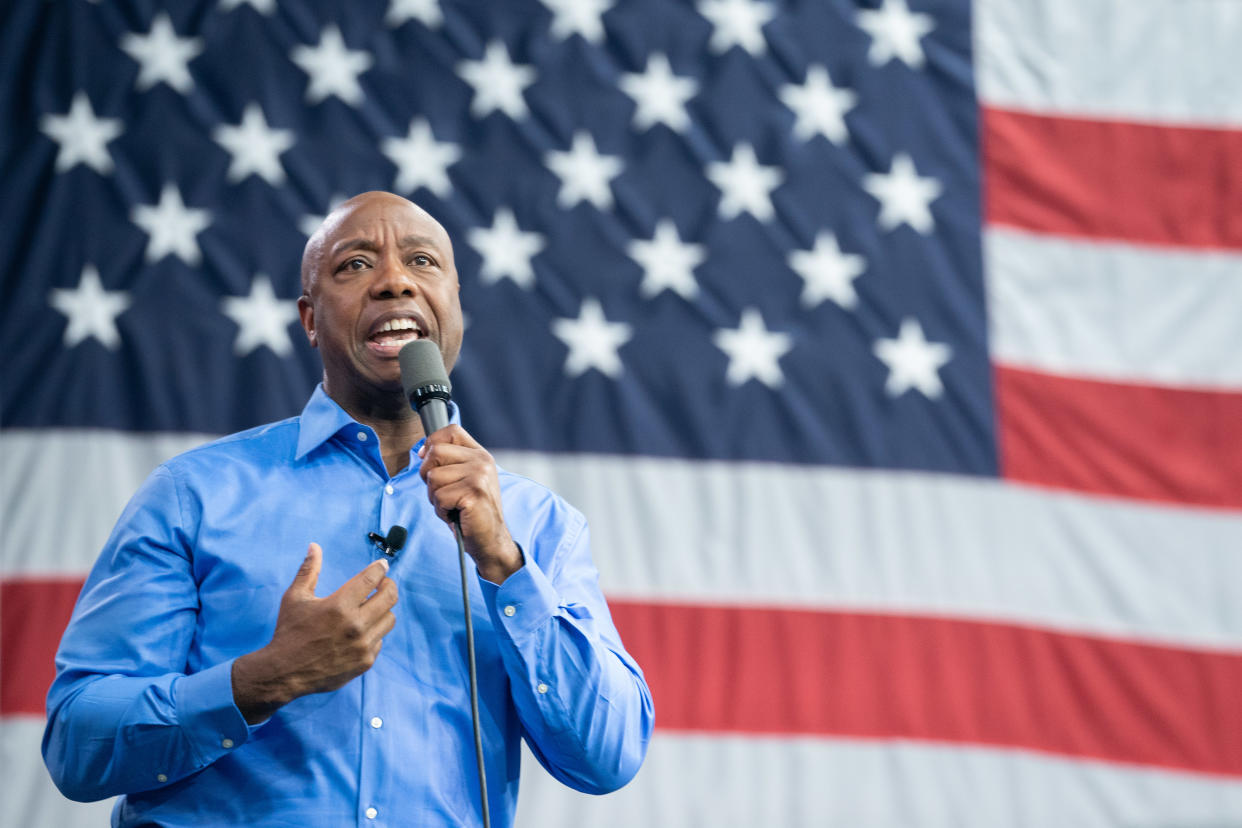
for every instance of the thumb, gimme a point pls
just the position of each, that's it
(308, 573)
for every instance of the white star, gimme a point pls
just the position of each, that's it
(162, 56)
(592, 340)
(895, 32)
(912, 361)
(427, 12)
(570, 17)
(91, 310)
(506, 250)
(333, 68)
(904, 197)
(827, 272)
(745, 184)
(819, 107)
(753, 350)
(660, 95)
(261, 6)
(737, 23)
(584, 173)
(497, 81)
(83, 138)
(667, 262)
(421, 160)
(310, 222)
(172, 226)
(262, 319)
(255, 146)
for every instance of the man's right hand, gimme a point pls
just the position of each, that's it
(319, 643)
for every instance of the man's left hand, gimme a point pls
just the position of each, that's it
(460, 474)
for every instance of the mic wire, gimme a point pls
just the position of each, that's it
(470, 663)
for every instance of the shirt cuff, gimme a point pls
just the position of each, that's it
(523, 603)
(210, 720)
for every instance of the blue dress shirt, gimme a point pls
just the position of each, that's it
(192, 578)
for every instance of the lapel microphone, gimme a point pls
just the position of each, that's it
(392, 544)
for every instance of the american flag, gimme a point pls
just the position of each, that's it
(891, 348)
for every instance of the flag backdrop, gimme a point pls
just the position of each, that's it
(893, 349)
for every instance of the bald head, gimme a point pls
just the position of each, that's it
(320, 244)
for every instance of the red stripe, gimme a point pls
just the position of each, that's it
(1114, 180)
(853, 674)
(33, 614)
(785, 671)
(1109, 438)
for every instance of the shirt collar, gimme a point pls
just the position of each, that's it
(322, 419)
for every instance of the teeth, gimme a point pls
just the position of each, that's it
(399, 325)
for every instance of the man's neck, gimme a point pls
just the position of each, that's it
(394, 422)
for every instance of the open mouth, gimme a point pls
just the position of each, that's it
(388, 339)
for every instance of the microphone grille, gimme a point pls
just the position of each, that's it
(396, 537)
(422, 365)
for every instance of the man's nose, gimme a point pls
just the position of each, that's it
(392, 279)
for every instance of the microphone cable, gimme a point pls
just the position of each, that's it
(426, 385)
(455, 517)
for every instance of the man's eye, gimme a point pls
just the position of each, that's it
(354, 264)
(421, 260)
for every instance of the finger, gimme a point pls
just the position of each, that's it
(443, 454)
(465, 497)
(439, 477)
(381, 601)
(467, 460)
(452, 434)
(385, 625)
(382, 627)
(354, 591)
(308, 573)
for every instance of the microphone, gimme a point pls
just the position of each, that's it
(426, 383)
(392, 544)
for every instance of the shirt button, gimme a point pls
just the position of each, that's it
(362, 436)
(226, 743)
(161, 777)
(388, 489)
(510, 610)
(541, 687)
(372, 813)
(377, 722)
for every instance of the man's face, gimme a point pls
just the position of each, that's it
(383, 275)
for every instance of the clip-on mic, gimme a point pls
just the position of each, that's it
(392, 544)
(427, 387)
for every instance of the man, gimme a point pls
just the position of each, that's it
(189, 683)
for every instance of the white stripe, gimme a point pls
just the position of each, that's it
(1140, 60)
(766, 534)
(30, 799)
(1115, 311)
(694, 780)
(753, 533)
(64, 489)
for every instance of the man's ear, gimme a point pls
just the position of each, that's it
(306, 311)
